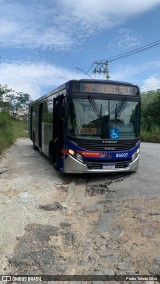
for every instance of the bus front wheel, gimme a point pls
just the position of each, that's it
(34, 145)
(51, 158)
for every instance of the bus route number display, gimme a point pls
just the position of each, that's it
(115, 89)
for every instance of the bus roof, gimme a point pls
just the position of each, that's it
(66, 85)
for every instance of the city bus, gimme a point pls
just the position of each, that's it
(88, 126)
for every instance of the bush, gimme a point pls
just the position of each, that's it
(5, 120)
(151, 136)
(6, 130)
(20, 128)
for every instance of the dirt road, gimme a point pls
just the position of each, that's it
(56, 224)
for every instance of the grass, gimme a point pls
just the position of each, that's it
(10, 130)
(6, 133)
(19, 129)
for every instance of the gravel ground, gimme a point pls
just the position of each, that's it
(65, 224)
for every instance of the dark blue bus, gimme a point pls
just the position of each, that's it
(88, 126)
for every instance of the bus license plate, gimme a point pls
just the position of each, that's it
(109, 167)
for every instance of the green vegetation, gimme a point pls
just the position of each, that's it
(19, 128)
(11, 128)
(151, 136)
(150, 117)
(6, 131)
(13, 101)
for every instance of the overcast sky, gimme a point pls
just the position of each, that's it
(43, 41)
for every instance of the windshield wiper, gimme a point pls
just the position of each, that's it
(119, 110)
(104, 119)
(95, 107)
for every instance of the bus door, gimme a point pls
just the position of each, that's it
(58, 127)
(40, 126)
(31, 123)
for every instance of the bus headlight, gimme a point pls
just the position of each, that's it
(76, 155)
(71, 152)
(134, 156)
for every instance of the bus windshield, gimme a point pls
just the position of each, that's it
(92, 118)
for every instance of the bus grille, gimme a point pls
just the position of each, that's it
(118, 165)
(94, 166)
(97, 145)
(121, 165)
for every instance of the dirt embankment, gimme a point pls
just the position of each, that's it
(57, 224)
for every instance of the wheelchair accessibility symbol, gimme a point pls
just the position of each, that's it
(114, 133)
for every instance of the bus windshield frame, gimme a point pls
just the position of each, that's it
(103, 117)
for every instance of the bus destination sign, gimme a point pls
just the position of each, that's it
(115, 89)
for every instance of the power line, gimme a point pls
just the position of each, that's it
(102, 65)
(84, 72)
(134, 51)
(87, 72)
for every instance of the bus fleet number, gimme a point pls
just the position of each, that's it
(121, 155)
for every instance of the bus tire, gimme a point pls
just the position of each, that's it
(34, 145)
(55, 167)
(51, 158)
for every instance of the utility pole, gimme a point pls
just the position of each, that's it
(102, 67)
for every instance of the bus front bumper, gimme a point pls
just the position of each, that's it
(71, 165)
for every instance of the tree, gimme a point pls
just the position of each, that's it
(3, 92)
(13, 101)
(23, 100)
(151, 112)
